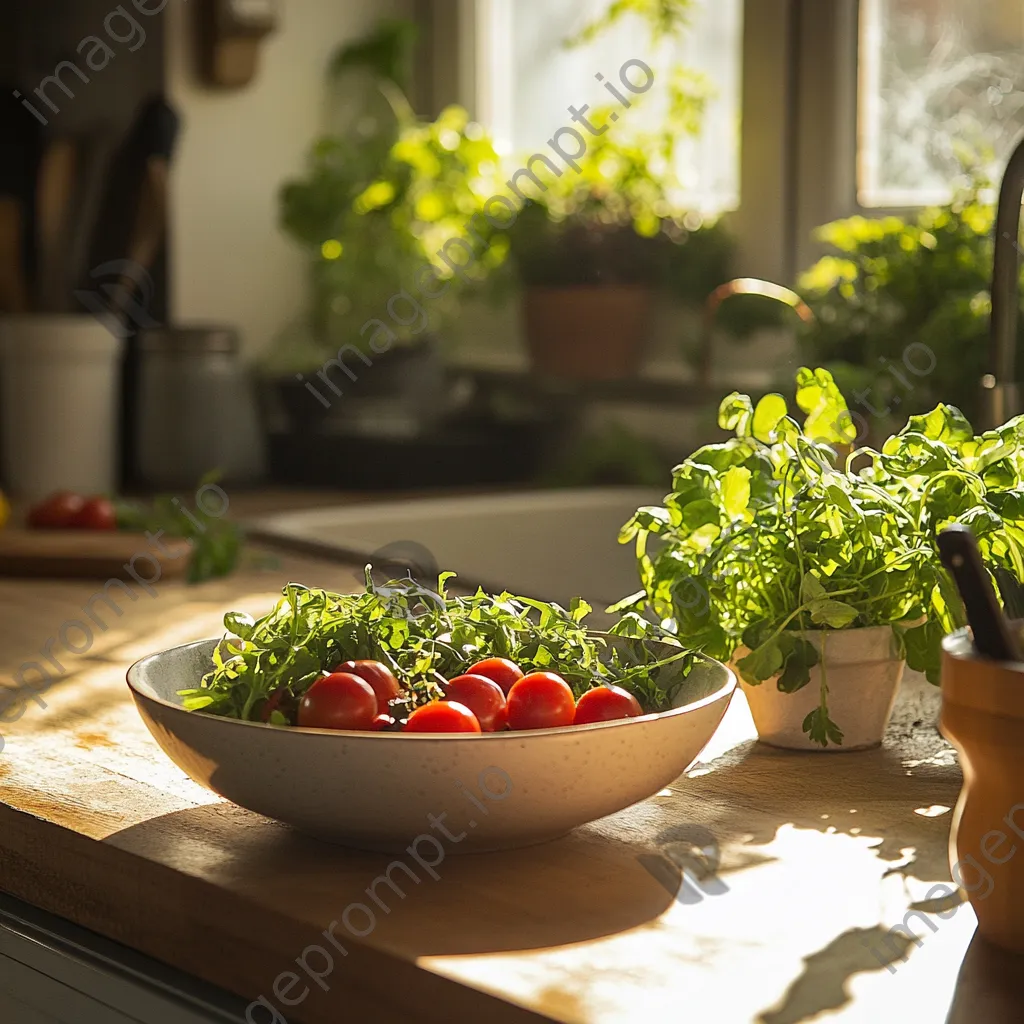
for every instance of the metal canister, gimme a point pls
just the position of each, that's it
(195, 408)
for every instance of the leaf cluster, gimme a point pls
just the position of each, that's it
(939, 472)
(665, 19)
(382, 196)
(216, 543)
(892, 280)
(426, 637)
(621, 220)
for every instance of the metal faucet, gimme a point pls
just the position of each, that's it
(1001, 391)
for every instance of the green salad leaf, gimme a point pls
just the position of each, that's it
(425, 637)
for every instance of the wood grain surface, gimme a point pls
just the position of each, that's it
(90, 554)
(819, 856)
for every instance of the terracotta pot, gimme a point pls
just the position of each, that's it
(983, 717)
(863, 670)
(588, 333)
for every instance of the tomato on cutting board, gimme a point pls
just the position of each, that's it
(541, 700)
(339, 701)
(57, 512)
(96, 514)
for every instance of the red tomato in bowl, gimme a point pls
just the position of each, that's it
(96, 514)
(442, 716)
(378, 675)
(339, 701)
(606, 704)
(57, 512)
(483, 697)
(499, 670)
(541, 700)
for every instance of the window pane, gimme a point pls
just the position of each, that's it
(942, 85)
(535, 77)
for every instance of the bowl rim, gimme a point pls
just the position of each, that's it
(725, 690)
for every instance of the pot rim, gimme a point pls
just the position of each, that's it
(867, 645)
(993, 687)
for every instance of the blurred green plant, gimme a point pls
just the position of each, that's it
(611, 457)
(666, 18)
(622, 219)
(216, 543)
(619, 222)
(380, 200)
(893, 282)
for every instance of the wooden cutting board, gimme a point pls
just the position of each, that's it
(90, 554)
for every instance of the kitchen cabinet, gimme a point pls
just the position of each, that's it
(52, 972)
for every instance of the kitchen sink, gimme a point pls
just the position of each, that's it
(551, 545)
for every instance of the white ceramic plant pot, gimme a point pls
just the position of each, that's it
(863, 670)
(59, 403)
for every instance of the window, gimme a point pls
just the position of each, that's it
(822, 108)
(941, 86)
(532, 77)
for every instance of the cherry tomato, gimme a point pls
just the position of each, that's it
(382, 722)
(541, 700)
(483, 697)
(339, 701)
(442, 716)
(606, 704)
(95, 514)
(56, 512)
(378, 675)
(499, 670)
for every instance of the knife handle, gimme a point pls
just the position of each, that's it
(993, 637)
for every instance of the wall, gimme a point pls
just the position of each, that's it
(229, 261)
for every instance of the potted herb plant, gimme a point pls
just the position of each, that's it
(803, 574)
(382, 196)
(599, 244)
(901, 308)
(593, 257)
(820, 580)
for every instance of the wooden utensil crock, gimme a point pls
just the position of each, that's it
(983, 717)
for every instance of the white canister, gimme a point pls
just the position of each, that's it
(59, 395)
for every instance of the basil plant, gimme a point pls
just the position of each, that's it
(771, 535)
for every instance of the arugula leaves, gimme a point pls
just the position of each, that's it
(765, 538)
(216, 542)
(425, 637)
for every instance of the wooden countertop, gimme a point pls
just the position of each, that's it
(820, 856)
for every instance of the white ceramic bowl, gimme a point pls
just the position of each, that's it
(381, 791)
